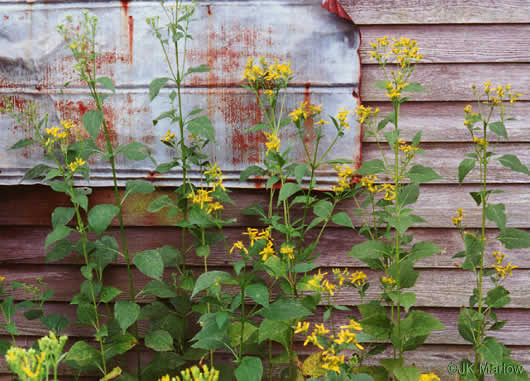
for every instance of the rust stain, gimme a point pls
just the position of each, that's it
(131, 38)
(309, 132)
(6, 17)
(127, 30)
(209, 9)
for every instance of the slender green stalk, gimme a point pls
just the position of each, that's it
(397, 243)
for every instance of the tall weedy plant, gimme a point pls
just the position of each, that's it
(476, 322)
(387, 215)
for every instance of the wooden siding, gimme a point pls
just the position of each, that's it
(485, 41)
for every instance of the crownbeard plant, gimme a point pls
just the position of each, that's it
(477, 321)
(385, 209)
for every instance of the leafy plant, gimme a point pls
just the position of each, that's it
(475, 322)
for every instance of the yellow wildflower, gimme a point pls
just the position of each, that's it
(328, 287)
(288, 250)
(341, 275)
(429, 377)
(252, 235)
(201, 197)
(342, 117)
(388, 281)
(353, 325)
(320, 329)
(214, 207)
(467, 109)
(239, 245)
(390, 191)
(358, 278)
(269, 92)
(169, 136)
(305, 110)
(503, 272)
(345, 173)
(365, 112)
(67, 124)
(498, 256)
(313, 339)
(457, 221)
(368, 182)
(315, 281)
(268, 251)
(480, 142)
(74, 165)
(273, 142)
(301, 327)
(346, 337)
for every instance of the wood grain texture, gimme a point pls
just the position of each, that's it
(437, 11)
(450, 288)
(457, 43)
(443, 121)
(25, 245)
(450, 82)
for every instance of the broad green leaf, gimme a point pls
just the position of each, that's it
(139, 186)
(409, 194)
(518, 374)
(150, 263)
(107, 83)
(407, 274)
(323, 209)
(495, 213)
(92, 121)
(23, 143)
(514, 238)
(422, 250)
(202, 126)
(258, 127)
(287, 191)
(36, 171)
(341, 218)
(473, 248)
(403, 223)
(126, 313)
(371, 167)
(420, 174)
(60, 186)
(300, 171)
(160, 289)
(119, 345)
(276, 267)
(202, 68)
(60, 232)
(381, 84)
(375, 321)
(250, 171)
(468, 323)
(282, 310)
(491, 351)
(499, 129)
(135, 151)
(210, 278)
(407, 374)
(59, 251)
(100, 217)
(61, 216)
(234, 333)
(155, 86)
(413, 87)
(513, 162)
(159, 340)
(464, 168)
(274, 330)
(108, 293)
(419, 323)
(55, 322)
(159, 203)
(406, 299)
(497, 297)
(259, 293)
(83, 356)
(114, 374)
(250, 369)
(370, 250)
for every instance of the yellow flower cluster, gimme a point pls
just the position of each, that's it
(358, 279)
(288, 250)
(305, 110)
(368, 182)
(429, 377)
(345, 174)
(388, 281)
(480, 142)
(390, 191)
(457, 221)
(194, 374)
(202, 198)
(215, 176)
(502, 271)
(273, 142)
(409, 149)
(499, 94)
(267, 76)
(168, 138)
(404, 50)
(74, 165)
(364, 113)
(394, 88)
(27, 362)
(268, 251)
(341, 276)
(331, 361)
(342, 117)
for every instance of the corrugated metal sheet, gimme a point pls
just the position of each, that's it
(322, 47)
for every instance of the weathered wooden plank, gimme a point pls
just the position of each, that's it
(437, 11)
(451, 290)
(451, 82)
(437, 204)
(24, 245)
(456, 43)
(443, 121)
(513, 332)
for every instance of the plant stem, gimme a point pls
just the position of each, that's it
(397, 256)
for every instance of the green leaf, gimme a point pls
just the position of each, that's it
(119, 345)
(159, 203)
(60, 232)
(420, 174)
(423, 250)
(499, 129)
(202, 126)
(135, 151)
(36, 171)
(60, 186)
(323, 209)
(92, 121)
(468, 323)
(371, 167)
(159, 289)
(107, 83)
(514, 238)
(495, 213)
(491, 351)
(61, 216)
(381, 84)
(100, 217)
(300, 171)
(341, 218)
(375, 321)
(202, 68)
(23, 143)
(369, 251)
(258, 127)
(274, 330)
(159, 340)
(236, 336)
(155, 86)
(464, 168)
(83, 356)
(55, 322)
(210, 278)
(402, 223)
(249, 369)
(473, 249)
(287, 191)
(407, 274)
(150, 263)
(409, 194)
(282, 310)
(276, 267)
(126, 313)
(497, 297)
(254, 210)
(406, 299)
(513, 162)
(139, 186)
(108, 293)
(59, 251)
(413, 87)
(252, 170)
(419, 323)
(259, 293)
(518, 373)
(407, 374)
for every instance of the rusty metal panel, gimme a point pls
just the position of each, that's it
(322, 47)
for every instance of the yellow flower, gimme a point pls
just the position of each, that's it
(328, 287)
(320, 329)
(305, 110)
(457, 221)
(313, 339)
(358, 278)
(365, 112)
(288, 250)
(480, 142)
(214, 207)
(498, 256)
(503, 272)
(315, 281)
(268, 251)
(67, 124)
(2, 278)
(345, 173)
(169, 136)
(74, 165)
(301, 327)
(429, 377)
(269, 92)
(368, 182)
(201, 197)
(273, 142)
(321, 121)
(341, 275)
(252, 235)
(353, 325)
(388, 281)
(238, 245)
(342, 117)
